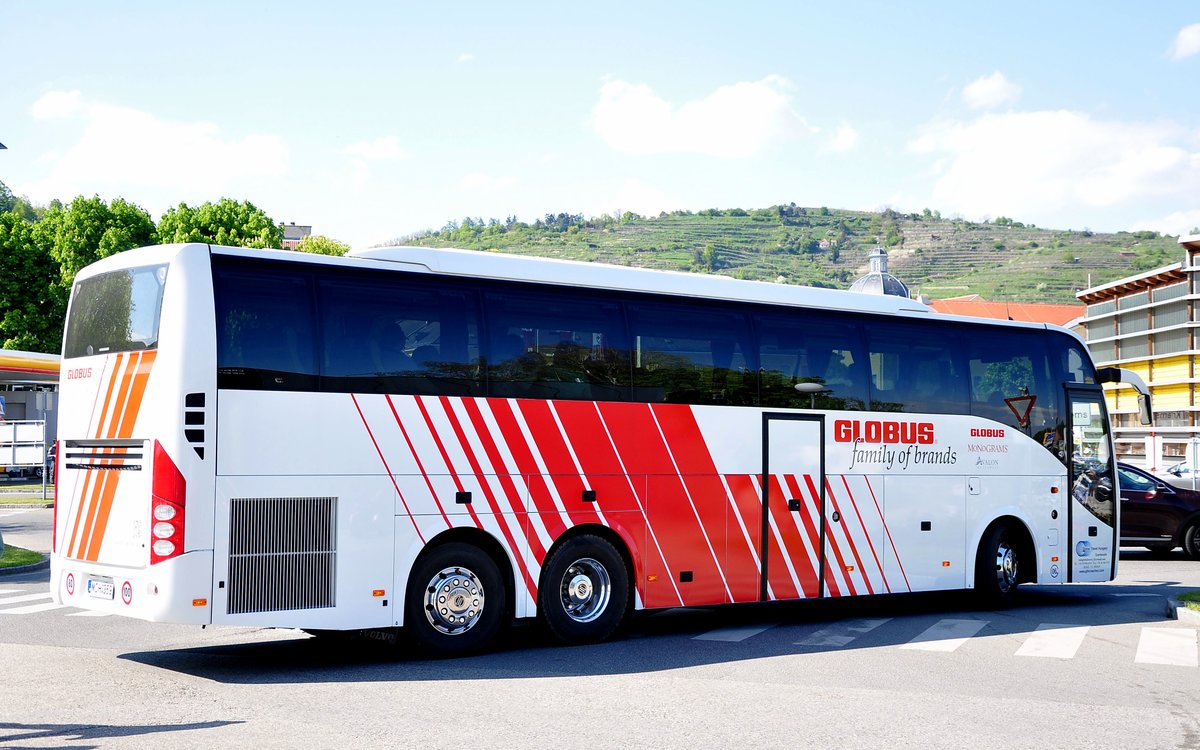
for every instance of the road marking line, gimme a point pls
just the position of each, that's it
(841, 634)
(9, 591)
(734, 634)
(1173, 646)
(946, 635)
(26, 598)
(1053, 641)
(31, 609)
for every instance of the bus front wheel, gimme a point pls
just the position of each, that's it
(585, 590)
(998, 567)
(455, 602)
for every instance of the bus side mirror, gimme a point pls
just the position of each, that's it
(1144, 408)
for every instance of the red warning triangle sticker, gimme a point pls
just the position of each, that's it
(1021, 406)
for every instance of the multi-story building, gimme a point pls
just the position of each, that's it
(1150, 323)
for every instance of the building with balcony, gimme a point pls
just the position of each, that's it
(1150, 324)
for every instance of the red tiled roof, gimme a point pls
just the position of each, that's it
(1030, 312)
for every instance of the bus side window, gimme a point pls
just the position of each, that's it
(265, 332)
(393, 334)
(686, 355)
(557, 346)
(804, 346)
(917, 368)
(1010, 379)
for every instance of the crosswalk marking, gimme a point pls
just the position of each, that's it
(842, 633)
(26, 598)
(945, 635)
(30, 609)
(8, 591)
(1173, 646)
(733, 634)
(1054, 641)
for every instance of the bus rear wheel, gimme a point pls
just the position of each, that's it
(585, 590)
(455, 602)
(998, 567)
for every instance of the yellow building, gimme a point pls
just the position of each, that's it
(1150, 323)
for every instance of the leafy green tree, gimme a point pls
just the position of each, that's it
(31, 307)
(7, 199)
(89, 229)
(322, 245)
(226, 222)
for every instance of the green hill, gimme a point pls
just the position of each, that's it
(1000, 260)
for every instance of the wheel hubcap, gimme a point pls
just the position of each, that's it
(1006, 567)
(454, 601)
(585, 590)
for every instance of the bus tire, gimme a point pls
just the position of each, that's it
(455, 602)
(585, 590)
(997, 567)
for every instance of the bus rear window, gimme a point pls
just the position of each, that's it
(115, 312)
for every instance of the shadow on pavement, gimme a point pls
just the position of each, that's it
(662, 640)
(73, 733)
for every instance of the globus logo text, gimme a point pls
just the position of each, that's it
(986, 432)
(79, 373)
(881, 431)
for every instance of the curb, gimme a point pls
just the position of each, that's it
(45, 563)
(1182, 612)
(21, 506)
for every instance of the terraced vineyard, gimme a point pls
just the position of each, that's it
(1001, 260)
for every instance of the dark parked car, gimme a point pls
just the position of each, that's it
(1157, 515)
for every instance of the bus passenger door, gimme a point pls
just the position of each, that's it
(1093, 503)
(793, 489)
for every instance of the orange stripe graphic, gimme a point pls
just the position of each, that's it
(133, 389)
(80, 510)
(119, 407)
(112, 381)
(93, 505)
(111, 480)
(134, 404)
(90, 502)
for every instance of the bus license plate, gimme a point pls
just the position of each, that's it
(100, 589)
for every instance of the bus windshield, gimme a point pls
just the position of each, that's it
(115, 312)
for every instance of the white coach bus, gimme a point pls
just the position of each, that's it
(445, 440)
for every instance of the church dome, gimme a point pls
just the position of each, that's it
(878, 280)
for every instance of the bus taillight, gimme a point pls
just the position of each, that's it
(168, 498)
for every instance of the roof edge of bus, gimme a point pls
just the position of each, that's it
(486, 264)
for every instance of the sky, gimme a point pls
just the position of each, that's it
(370, 121)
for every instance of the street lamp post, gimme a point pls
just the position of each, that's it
(812, 389)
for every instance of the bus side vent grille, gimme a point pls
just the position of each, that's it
(282, 553)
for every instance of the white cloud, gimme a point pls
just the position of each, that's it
(57, 105)
(127, 152)
(1176, 223)
(1187, 42)
(990, 92)
(1042, 166)
(632, 195)
(845, 138)
(466, 57)
(386, 148)
(733, 122)
(487, 183)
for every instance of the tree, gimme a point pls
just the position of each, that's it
(32, 307)
(322, 245)
(90, 229)
(226, 222)
(7, 199)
